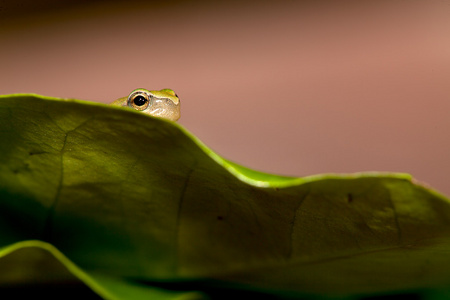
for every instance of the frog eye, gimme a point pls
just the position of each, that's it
(138, 100)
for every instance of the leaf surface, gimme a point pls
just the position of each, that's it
(136, 200)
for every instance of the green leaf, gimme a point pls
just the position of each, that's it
(106, 286)
(129, 204)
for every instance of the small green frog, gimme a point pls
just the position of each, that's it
(163, 104)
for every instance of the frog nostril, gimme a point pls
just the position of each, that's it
(139, 100)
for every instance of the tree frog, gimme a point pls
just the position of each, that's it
(163, 104)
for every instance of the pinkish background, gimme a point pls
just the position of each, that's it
(294, 88)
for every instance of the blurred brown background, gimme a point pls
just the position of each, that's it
(287, 87)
